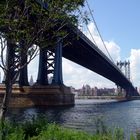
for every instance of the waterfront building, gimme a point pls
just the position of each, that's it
(86, 90)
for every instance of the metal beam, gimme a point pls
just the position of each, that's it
(58, 78)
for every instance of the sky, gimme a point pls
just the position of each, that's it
(118, 22)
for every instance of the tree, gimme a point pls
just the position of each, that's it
(24, 25)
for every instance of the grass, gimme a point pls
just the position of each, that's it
(40, 129)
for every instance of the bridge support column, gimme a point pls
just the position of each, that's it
(42, 93)
(58, 78)
(55, 93)
(23, 75)
(131, 93)
(128, 93)
(12, 55)
(50, 63)
(42, 71)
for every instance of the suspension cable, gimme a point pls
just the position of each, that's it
(88, 29)
(99, 31)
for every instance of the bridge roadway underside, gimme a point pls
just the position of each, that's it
(83, 52)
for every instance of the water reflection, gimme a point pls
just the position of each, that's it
(83, 115)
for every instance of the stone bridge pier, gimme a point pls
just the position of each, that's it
(42, 93)
(131, 93)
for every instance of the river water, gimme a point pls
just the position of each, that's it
(84, 114)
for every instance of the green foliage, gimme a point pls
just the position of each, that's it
(11, 131)
(138, 135)
(40, 129)
(132, 137)
(118, 134)
(29, 21)
(100, 126)
(34, 127)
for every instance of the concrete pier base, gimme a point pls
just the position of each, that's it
(28, 96)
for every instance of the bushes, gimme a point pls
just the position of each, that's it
(11, 131)
(40, 129)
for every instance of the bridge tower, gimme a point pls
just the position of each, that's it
(42, 93)
(50, 63)
(125, 68)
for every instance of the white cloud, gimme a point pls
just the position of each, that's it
(112, 47)
(114, 50)
(135, 66)
(1, 75)
(33, 68)
(77, 76)
(2, 55)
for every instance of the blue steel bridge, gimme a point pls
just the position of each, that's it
(81, 51)
(85, 53)
(88, 55)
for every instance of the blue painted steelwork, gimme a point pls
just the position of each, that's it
(15, 57)
(83, 52)
(58, 78)
(42, 70)
(23, 75)
(50, 63)
(57, 74)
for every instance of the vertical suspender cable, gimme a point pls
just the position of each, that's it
(99, 31)
(88, 29)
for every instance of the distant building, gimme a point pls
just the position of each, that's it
(86, 90)
(94, 91)
(106, 91)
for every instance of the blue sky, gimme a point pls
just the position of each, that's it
(118, 20)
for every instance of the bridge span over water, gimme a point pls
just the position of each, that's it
(82, 51)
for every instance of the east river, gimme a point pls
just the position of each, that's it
(84, 114)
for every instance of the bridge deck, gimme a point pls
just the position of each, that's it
(82, 51)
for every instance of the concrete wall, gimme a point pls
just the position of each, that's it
(39, 96)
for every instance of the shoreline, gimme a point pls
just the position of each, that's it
(118, 98)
